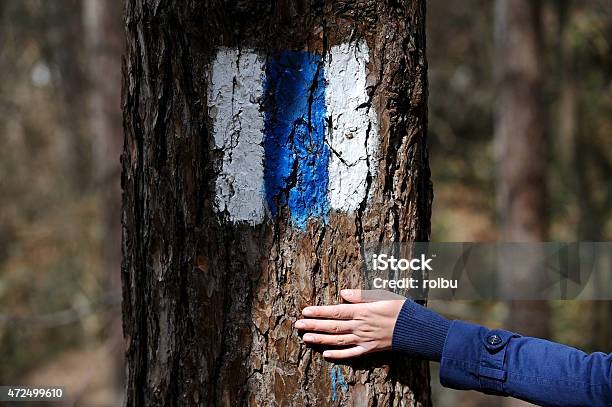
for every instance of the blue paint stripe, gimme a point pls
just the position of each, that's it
(341, 380)
(333, 382)
(296, 156)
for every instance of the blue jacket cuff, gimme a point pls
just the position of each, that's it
(420, 332)
(474, 358)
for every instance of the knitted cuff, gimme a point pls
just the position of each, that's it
(420, 332)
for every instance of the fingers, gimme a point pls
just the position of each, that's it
(325, 325)
(341, 311)
(331, 340)
(344, 353)
(353, 296)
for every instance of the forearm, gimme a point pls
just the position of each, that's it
(500, 362)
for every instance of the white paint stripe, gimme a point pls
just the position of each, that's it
(235, 86)
(352, 144)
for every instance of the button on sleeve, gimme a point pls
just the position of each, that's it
(473, 358)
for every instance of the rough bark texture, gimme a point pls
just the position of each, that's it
(522, 150)
(209, 305)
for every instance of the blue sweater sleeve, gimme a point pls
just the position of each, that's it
(420, 332)
(500, 362)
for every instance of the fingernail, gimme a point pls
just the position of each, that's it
(299, 324)
(326, 354)
(308, 337)
(346, 293)
(307, 311)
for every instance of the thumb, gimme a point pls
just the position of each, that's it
(353, 296)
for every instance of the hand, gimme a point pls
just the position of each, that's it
(361, 327)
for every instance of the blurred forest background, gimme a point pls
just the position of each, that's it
(60, 126)
(60, 253)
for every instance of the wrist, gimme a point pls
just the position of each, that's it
(420, 332)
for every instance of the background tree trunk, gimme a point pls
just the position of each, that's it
(589, 226)
(103, 44)
(209, 303)
(521, 151)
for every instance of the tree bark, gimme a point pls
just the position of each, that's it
(208, 303)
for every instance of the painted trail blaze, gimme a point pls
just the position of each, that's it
(296, 156)
(295, 130)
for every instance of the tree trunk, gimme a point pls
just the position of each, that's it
(103, 43)
(265, 145)
(589, 225)
(522, 154)
(567, 95)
